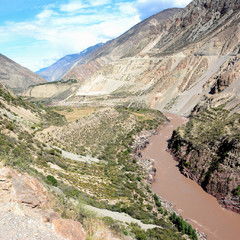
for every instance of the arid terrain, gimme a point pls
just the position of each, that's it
(134, 139)
(170, 61)
(82, 165)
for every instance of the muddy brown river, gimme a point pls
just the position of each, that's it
(188, 198)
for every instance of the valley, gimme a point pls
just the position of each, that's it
(137, 138)
(70, 179)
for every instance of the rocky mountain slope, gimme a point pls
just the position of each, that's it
(184, 61)
(26, 210)
(163, 62)
(223, 88)
(135, 40)
(56, 71)
(15, 76)
(208, 147)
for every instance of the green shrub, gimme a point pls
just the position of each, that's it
(157, 200)
(51, 180)
(236, 191)
(183, 226)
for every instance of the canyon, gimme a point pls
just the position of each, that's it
(187, 197)
(134, 139)
(169, 61)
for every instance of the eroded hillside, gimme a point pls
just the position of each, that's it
(208, 147)
(164, 62)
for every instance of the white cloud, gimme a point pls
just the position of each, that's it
(54, 33)
(99, 2)
(47, 13)
(176, 3)
(128, 8)
(75, 5)
(181, 3)
(72, 6)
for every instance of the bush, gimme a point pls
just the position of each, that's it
(183, 226)
(157, 200)
(236, 191)
(154, 234)
(51, 180)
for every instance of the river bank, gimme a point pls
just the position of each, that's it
(186, 196)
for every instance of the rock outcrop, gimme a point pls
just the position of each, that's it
(140, 143)
(26, 211)
(69, 229)
(224, 87)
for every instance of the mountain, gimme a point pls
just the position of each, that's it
(77, 171)
(132, 41)
(207, 149)
(16, 77)
(57, 70)
(184, 61)
(164, 62)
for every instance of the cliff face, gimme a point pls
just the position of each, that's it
(208, 151)
(15, 76)
(223, 87)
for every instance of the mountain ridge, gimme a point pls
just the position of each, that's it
(58, 69)
(142, 65)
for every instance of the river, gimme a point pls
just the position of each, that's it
(188, 198)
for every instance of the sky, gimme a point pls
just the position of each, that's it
(36, 33)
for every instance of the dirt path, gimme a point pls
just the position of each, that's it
(76, 157)
(122, 217)
(200, 208)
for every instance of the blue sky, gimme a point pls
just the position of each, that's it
(35, 33)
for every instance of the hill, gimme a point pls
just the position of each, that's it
(60, 189)
(16, 77)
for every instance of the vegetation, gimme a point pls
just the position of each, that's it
(211, 126)
(154, 234)
(117, 181)
(236, 191)
(183, 226)
(51, 180)
(62, 81)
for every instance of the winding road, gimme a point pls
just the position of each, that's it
(188, 198)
